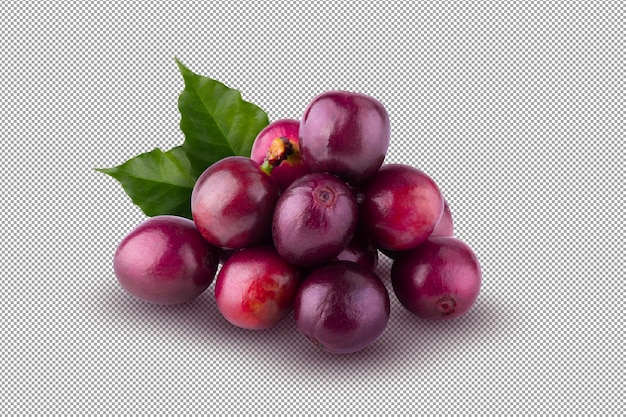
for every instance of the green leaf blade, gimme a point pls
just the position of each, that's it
(158, 182)
(215, 120)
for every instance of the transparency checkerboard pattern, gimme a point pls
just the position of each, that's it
(517, 111)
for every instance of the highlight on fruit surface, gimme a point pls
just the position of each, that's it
(440, 279)
(165, 260)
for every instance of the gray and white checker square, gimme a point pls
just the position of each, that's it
(515, 109)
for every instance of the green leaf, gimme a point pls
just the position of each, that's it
(216, 123)
(215, 120)
(158, 182)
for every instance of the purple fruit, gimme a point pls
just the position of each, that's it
(256, 288)
(232, 203)
(344, 133)
(360, 251)
(400, 208)
(165, 260)
(445, 225)
(342, 307)
(277, 150)
(314, 219)
(440, 279)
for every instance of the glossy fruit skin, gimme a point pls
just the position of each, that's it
(445, 225)
(232, 203)
(344, 133)
(360, 251)
(400, 208)
(289, 169)
(438, 280)
(165, 260)
(342, 307)
(314, 219)
(256, 288)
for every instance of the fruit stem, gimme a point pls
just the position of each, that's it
(266, 167)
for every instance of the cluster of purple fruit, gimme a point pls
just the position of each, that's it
(298, 226)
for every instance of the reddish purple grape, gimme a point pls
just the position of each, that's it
(440, 279)
(256, 288)
(165, 260)
(344, 133)
(314, 219)
(342, 307)
(445, 225)
(232, 203)
(277, 149)
(400, 208)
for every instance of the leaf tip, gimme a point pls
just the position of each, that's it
(181, 67)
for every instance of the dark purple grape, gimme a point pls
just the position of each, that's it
(360, 251)
(165, 260)
(439, 279)
(342, 307)
(314, 219)
(400, 208)
(232, 203)
(344, 133)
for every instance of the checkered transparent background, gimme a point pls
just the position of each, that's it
(517, 111)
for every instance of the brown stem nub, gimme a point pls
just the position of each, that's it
(280, 149)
